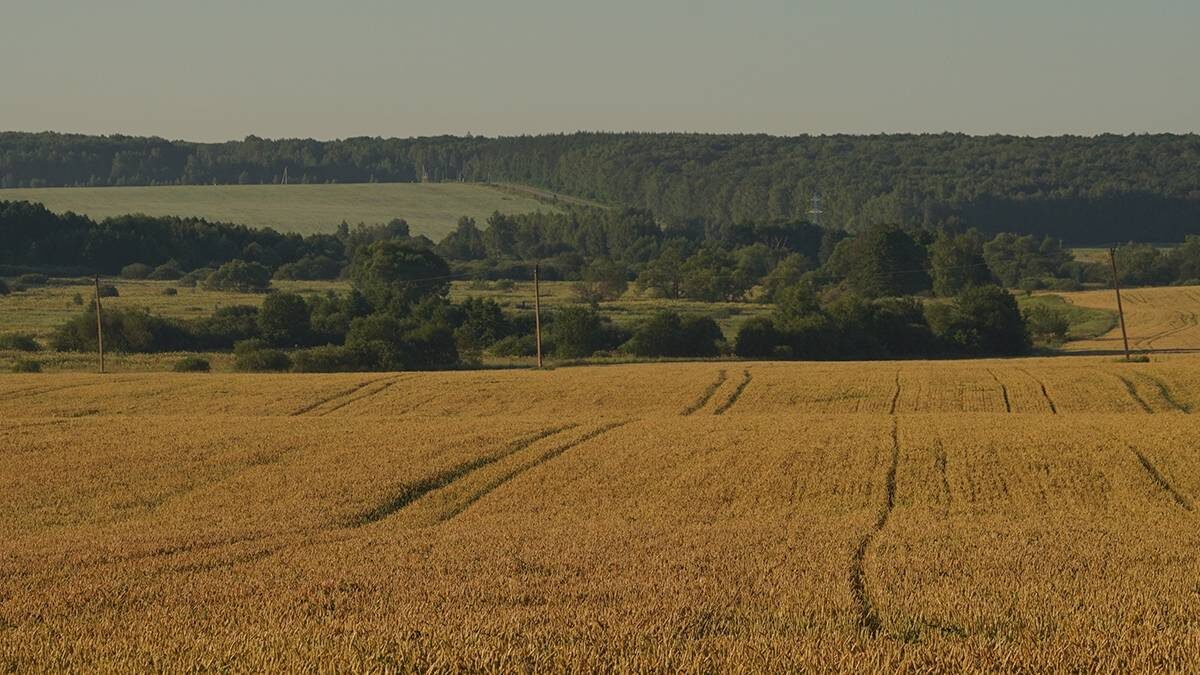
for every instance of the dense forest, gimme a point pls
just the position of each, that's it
(1083, 190)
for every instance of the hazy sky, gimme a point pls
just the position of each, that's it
(221, 69)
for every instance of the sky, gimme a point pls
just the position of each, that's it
(220, 69)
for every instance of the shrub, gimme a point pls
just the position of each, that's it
(170, 290)
(515, 346)
(240, 276)
(388, 343)
(1031, 284)
(26, 366)
(136, 271)
(310, 268)
(4, 289)
(109, 291)
(168, 271)
(580, 331)
(1066, 285)
(255, 356)
(191, 364)
(132, 330)
(32, 279)
(226, 327)
(757, 338)
(19, 342)
(191, 279)
(1047, 323)
(983, 320)
(666, 334)
(77, 299)
(283, 320)
(328, 359)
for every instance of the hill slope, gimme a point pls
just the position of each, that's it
(431, 209)
(1096, 190)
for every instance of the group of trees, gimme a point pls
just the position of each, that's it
(981, 321)
(1085, 190)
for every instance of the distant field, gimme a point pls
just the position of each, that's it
(431, 209)
(1157, 319)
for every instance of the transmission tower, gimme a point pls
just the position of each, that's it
(816, 211)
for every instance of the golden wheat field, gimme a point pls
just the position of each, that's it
(1157, 319)
(1007, 514)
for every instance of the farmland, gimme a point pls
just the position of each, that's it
(1157, 319)
(431, 209)
(763, 516)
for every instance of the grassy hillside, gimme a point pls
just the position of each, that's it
(431, 208)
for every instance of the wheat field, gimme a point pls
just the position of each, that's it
(1025, 514)
(1157, 319)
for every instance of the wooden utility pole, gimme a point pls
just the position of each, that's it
(99, 325)
(1112, 256)
(537, 309)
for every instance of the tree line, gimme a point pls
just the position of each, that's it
(1084, 190)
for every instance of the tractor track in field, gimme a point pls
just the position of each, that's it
(548, 456)
(895, 395)
(41, 390)
(706, 395)
(414, 491)
(1133, 394)
(737, 393)
(939, 461)
(1164, 392)
(868, 617)
(1045, 393)
(388, 383)
(335, 396)
(1161, 480)
(1003, 390)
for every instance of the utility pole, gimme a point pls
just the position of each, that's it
(537, 309)
(1112, 256)
(99, 325)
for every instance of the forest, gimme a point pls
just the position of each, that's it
(1083, 190)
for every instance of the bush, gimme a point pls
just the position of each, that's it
(329, 359)
(136, 271)
(132, 330)
(1047, 324)
(168, 271)
(4, 289)
(757, 338)
(170, 290)
(25, 366)
(195, 277)
(579, 332)
(666, 334)
(32, 279)
(283, 320)
(1066, 285)
(191, 364)
(310, 268)
(77, 299)
(226, 327)
(983, 320)
(1031, 284)
(19, 342)
(388, 343)
(515, 346)
(109, 291)
(239, 276)
(253, 356)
